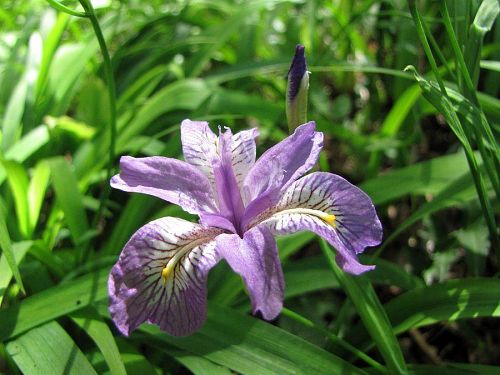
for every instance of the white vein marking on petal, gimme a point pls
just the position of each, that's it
(330, 219)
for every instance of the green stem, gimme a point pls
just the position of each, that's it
(425, 44)
(470, 92)
(108, 70)
(473, 166)
(490, 159)
(63, 8)
(335, 339)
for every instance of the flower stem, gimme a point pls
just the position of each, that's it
(108, 71)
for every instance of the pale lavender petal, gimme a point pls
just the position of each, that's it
(228, 192)
(255, 258)
(217, 221)
(331, 207)
(282, 164)
(200, 146)
(243, 153)
(161, 277)
(172, 180)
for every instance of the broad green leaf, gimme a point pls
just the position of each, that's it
(36, 191)
(250, 346)
(490, 65)
(443, 302)
(448, 301)
(52, 303)
(50, 45)
(188, 94)
(98, 330)
(289, 245)
(19, 250)
(69, 197)
(196, 364)
(313, 273)
(26, 146)
(428, 177)
(371, 312)
(8, 254)
(18, 183)
(13, 115)
(48, 349)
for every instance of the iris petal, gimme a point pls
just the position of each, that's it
(161, 277)
(331, 207)
(255, 258)
(172, 180)
(282, 164)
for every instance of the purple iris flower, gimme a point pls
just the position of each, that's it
(161, 275)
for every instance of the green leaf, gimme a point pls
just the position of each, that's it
(371, 312)
(13, 115)
(428, 177)
(312, 274)
(195, 363)
(449, 301)
(490, 65)
(69, 197)
(26, 146)
(53, 303)
(18, 183)
(8, 254)
(98, 330)
(48, 349)
(19, 250)
(250, 346)
(36, 192)
(444, 105)
(188, 94)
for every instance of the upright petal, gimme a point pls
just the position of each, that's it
(161, 276)
(172, 180)
(331, 207)
(228, 192)
(201, 146)
(255, 258)
(243, 153)
(282, 164)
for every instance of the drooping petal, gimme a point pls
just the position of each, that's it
(172, 180)
(161, 276)
(331, 207)
(282, 164)
(255, 258)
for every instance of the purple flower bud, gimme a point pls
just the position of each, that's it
(298, 86)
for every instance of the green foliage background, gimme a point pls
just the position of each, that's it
(423, 145)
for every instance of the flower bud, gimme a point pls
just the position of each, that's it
(297, 89)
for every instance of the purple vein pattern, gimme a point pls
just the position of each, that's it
(161, 274)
